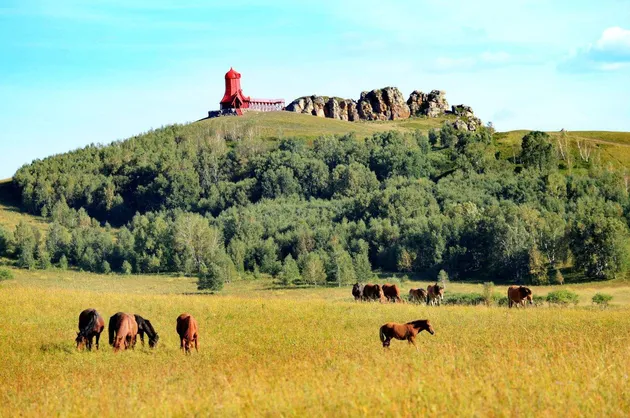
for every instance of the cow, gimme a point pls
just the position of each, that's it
(417, 295)
(435, 294)
(517, 295)
(357, 291)
(391, 292)
(372, 292)
(406, 331)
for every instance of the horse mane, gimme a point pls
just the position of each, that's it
(418, 323)
(149, 329)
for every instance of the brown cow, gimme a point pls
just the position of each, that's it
(123, 331)
(517, 295)
(417, 295)
(372, 292)
(91, 324)
(391, 292)
(188, 332)
(406, 331)
(435, 294)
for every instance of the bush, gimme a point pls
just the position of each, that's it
(602, 299)
(63, 262)
(211, 278)
(5, 274)
(488, 295)
(126, 267)
(464, 299)
(538, 300)
(562, 297)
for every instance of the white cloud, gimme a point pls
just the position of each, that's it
(611, 52)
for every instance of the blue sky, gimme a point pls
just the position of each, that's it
(79, 72)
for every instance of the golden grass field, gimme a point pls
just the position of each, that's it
(306, 352)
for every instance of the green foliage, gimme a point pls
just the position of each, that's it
(488, 293)
(362, 266)
(602, 299)
(537, 151)
(464, 299)
(562, 297)
(290, 273)
(211, 277)
(63, 262)
(343, 272)
(5, 274)
(126, 268)
(558, 278)
(442, 278)
(5, 242)
(313, 272)
(26, 239)
(105, 267)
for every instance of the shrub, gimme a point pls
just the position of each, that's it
(464, 299)
(562, 297)
(5, 274)
(602, 299)
(126, 267)
(63, 262)
(488, 296)
(558, 277)
(211, 278)
(105, 267)
(538, 300)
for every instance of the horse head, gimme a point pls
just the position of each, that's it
(81, 341)
(153, 341)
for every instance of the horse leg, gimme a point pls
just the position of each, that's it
(412, 340)
(98, 337)
(181, 343)
(196, 343)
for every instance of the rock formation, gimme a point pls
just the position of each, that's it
(387, 104)
(383, 104)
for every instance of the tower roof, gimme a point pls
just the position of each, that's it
(232, 74)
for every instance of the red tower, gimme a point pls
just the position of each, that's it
(234, 101)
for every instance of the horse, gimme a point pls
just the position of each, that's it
(145, 327)
(357, 291)
(123, 331)
(517, 295)
(188, 332)
(406, 331)
(391, 292)
(91, 324)
(435, 294)
(417, 295)
(372, 292)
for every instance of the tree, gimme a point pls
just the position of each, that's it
(5, 242)
(25, 237)
(314, 272)
(126, 268)
(63, 262)
(343, 270)
(211, 277)
(537, 267)
(537, 151)
(442, 278)
(196, 243)
(290, 273)
(362, 266)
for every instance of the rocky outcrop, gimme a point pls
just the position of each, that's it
(387, 104)
(383, 104)
(432, 104)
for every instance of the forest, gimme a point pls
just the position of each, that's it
(329, 211)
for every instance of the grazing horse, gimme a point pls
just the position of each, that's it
(91, 325)
(391, 292)
(145, 327)
(435, 294)
(417, 295)
(372, 292)
(188, 332)
(517, 295)
(406, 331)
(123, 331)
(357, 291)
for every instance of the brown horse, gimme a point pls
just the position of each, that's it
(123, 331)
(435, 294)
(391, 292)
(517, 295)
(91, 325)
(406, 331)
(372, 292)
(188, 332)
(417, 295)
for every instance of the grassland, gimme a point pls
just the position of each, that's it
(305, 352)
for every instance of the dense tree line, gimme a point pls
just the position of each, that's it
(182, 200)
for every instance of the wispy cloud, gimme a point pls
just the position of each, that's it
(611, 52)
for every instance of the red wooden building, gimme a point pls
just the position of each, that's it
(234, 98)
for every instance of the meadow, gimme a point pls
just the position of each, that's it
(307, 352)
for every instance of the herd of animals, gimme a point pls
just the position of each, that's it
(124, 328)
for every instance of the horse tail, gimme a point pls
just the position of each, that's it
(90, 325)
(112, 329)
(382, 334)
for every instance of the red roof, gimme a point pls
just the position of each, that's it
(232, 74)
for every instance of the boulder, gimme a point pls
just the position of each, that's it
(462, 111)
(382, 104)
(318, 106)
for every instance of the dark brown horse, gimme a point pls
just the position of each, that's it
(357, 291)
(91, 324)
(517, 295)
(372, 292)
(145, 327)
(391, 292)
(188, 332)
(123, 331)
(417, 295)
(435, 294)
(406, 331)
